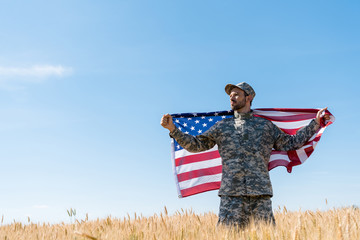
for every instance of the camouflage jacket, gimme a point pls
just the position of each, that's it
(245, 143)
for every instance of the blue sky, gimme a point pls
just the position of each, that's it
(83, 86)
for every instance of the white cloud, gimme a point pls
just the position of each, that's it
(34, 72)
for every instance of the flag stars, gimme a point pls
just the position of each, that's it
(178, 146)
(196, 124)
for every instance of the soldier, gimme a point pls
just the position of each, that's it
(245, 143)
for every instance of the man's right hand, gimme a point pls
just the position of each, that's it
(167, 122)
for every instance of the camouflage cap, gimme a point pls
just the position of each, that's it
(243, 86)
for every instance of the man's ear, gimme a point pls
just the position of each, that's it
(250, 97)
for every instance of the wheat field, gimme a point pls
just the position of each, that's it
(339, 223)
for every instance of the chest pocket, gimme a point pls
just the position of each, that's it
(251, 136)
(229, 142)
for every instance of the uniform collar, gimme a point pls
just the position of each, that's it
(247, 115)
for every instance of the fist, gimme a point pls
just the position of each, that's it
(320, 115)
(167, 122)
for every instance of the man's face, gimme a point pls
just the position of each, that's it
(237, 99)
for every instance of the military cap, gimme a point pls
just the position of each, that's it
(243, 86)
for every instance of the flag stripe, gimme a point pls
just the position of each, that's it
(292, 118)
(277, 163)
(199, 180)
(288, 110)
(196, 158)
(290, 131)
(200, 188)
(273, 152)
(198, 165)
(183, 152)
(199, 173)
(274, 157)
(292, 125)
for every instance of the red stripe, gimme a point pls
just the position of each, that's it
(277, 163)
(295, 110)
(199, 173)
(309, 151)
(200, 188)
(196, 158)
(293, 156)
(316, 139)
(290, 131)
(292, 110)
(295, 160)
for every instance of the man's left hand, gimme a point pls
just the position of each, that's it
(319, 115)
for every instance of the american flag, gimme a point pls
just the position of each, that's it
(200, 172)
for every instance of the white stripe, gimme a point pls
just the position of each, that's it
(185, 153)
(301, 154)
(314, 144)
(292, 125)
(279, 157)
(277, 113)
(305, 146)
(200, 180)
(198, 165)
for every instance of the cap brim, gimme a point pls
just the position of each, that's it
(229, 87)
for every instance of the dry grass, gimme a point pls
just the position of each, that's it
(342, 223)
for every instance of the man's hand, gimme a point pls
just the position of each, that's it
(319, 115)
(167, 122)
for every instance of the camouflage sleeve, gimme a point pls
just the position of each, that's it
(286, 142)
(197, 143)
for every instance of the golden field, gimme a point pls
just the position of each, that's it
(340, 223)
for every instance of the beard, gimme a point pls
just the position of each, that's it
(238, 105)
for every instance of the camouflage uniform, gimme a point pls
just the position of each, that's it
(245, 143)
(240, 210)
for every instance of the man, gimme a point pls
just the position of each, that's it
(245, 143)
